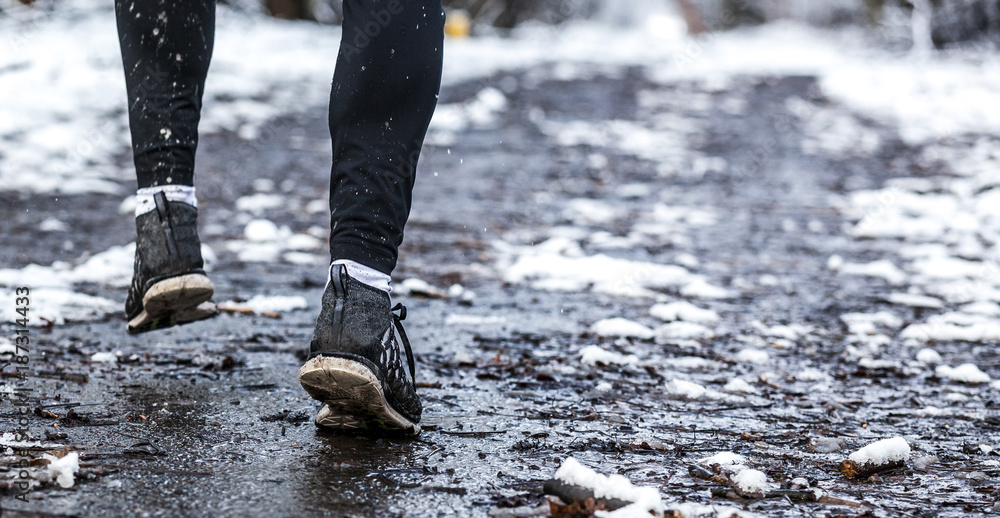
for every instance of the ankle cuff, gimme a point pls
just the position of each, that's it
(364, 274)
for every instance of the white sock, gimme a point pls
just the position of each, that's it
(144, 197)
(362, 273)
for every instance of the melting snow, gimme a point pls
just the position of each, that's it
(754, 356)
(622, 327)
(455, 319)
(270, 304)
(883, 452)
(645, 500)
(688, 391)
(682, 331)
(593, 355)
(965, 373)
(63, 470)
(751, 482)
(682, 310)
(104, 357)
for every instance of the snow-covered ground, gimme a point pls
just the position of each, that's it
(61, 74)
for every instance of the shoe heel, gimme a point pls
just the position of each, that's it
(352, 395)
(177, 293)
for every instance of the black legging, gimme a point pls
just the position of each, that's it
(384, 92)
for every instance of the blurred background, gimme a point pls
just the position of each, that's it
(942, 22)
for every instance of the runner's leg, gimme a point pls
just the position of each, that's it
(166, 48)
(384, 92)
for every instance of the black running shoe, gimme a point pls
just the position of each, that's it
(169, 285)
(354, 364)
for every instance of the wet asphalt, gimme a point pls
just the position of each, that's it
(209, 420)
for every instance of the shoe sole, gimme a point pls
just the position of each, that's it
(353, 397)
(175, 301)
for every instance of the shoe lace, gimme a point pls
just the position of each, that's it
(398, 315)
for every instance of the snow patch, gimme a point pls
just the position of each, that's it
(621, 327)
(558, 264)
(63, 470)
(683, 310)
(645, 500)
(754, 356)
(883, 452)
(103, 357)
(593, 356)
(455, 319)
(751, 482)
(688, 391)
(965, 373)
(270, 304)
(682, 331)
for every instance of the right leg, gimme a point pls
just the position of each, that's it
(166, 48)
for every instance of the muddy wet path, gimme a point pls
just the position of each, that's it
(208, 419)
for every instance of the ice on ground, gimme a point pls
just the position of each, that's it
(112, 267)
(982, 308)
(60, 306)
(694, 510)
(9, 439)
(420, 288)
(788, 332)
(104, 357)
(751, 482)
(812, 374)
(882, 452)
(683, 310)
(558, 264)
(481, 111)
(261, 230)
(264, 242)
(593, 355)
(52, 225)
(621, 327)
(725, 458)
(965, 373)
(588, 211)
(636, 138)
(270, 304)
(869, 323)
(929, 356)
(455, 319)
(682, 331)
(872, 364)
(690, 363)
(688, 391)
(930, 411)
(826, 444)
(915, 300)
(954, 327)
(738, 386)
(754, 356)
(701, 289)
(882, 268)
(645, 500)
(63, 470)
(260, 202)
